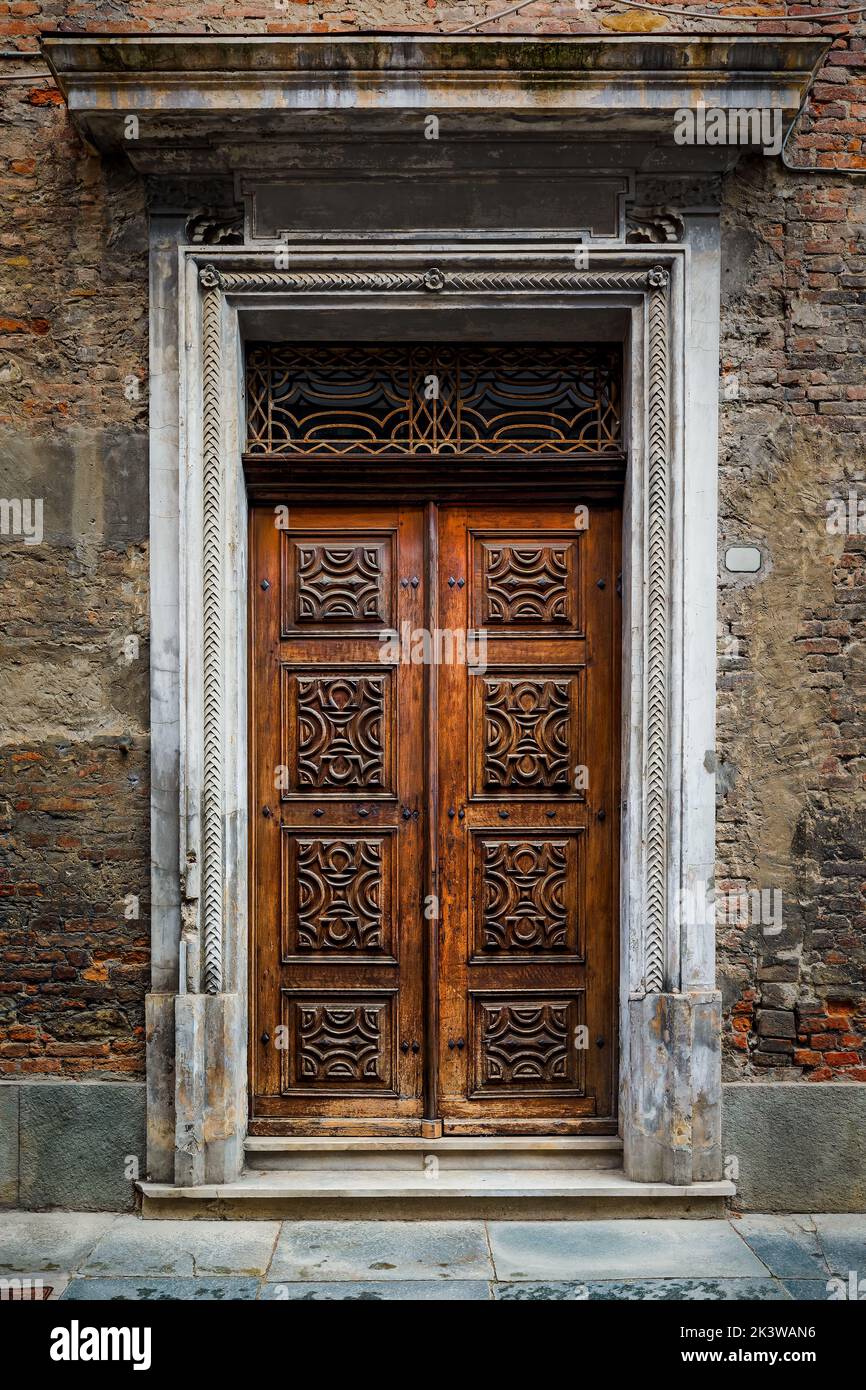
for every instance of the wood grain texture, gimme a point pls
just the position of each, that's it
(435, 879)
(528, 827)
(337, 767)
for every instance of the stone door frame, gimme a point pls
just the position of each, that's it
(202, 302)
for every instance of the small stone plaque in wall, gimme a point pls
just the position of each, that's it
(743, 559)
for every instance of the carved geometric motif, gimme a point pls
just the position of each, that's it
(339, 583)
(338, 895)
(339, 1042)
(526, 584)
(527, 734)
(524, 885)
(341, 732)
(526, 1044)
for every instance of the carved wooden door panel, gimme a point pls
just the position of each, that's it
(337, 758)
(528, 819)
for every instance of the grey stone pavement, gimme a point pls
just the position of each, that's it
(86, 1255)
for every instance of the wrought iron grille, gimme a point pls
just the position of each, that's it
(465, 400)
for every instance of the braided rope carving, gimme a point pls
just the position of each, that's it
(212, 833)
(655, 283)
(657, 639)
(429, 281)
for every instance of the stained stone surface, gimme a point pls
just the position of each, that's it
(8, 1146)
(643, 1290)
(843, 1240)
(808, 1290)
(140, 1289)
(788, 1245)
(382, 1250)
(77, 1142)
(797, 1147)
(33, 1241)
(183, 1248)
(567, 1250)
(382, 1291)
(89, 1257)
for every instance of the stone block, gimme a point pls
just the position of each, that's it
(799, 1146)
(776, 1023)
(82, 1144)
(9, 1145)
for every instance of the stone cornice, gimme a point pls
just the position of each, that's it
(612, 84)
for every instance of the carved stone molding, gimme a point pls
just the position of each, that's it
(653, 283)
(657, 638)
(433, 281)
(212, 638)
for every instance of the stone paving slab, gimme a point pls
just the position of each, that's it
(313, 1251)
(788, 1245)
(36, 1241)
(566, 1250)
(843, 1240)
(807, 1290)
(105, 1256)
(644, 1290)
(183, 1248)
(383, 1291)
(144, 1290)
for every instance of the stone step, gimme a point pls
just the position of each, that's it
(453, 1194)
(424, 1155)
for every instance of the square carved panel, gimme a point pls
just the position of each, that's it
(338, 732)
(526, 894)
(526, 734)
(338, 895)
(525, 583)
(338, 1042)
(339, 582)
(528, 1043)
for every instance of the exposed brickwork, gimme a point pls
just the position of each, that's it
(792, 712)
(74, 776)
(74, 817)
(75, 945)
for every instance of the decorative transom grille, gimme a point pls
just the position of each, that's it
(359, 399)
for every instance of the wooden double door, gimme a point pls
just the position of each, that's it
(434, 810)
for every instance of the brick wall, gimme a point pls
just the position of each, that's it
(792, 684)
(74, 794)
(74, 817)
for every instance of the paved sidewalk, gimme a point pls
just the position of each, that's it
(83, 1255)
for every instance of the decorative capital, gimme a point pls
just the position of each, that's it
(434, 280)
(209, 277)
(658, 278)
